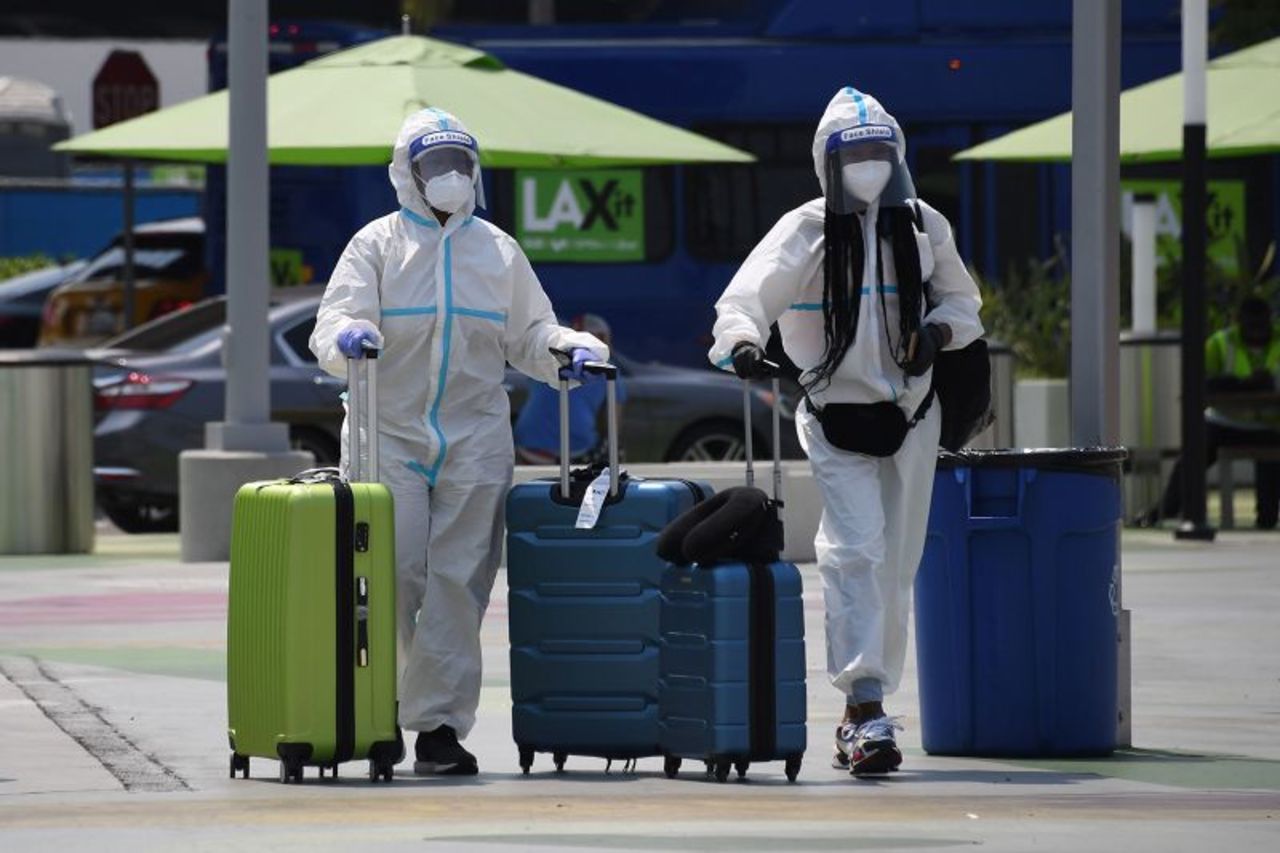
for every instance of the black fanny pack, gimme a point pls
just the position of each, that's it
(872, 429)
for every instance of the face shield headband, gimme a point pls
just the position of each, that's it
(440, 152)
(861, 144)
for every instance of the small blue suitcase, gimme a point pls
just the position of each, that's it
(732, 688)
(583, 609)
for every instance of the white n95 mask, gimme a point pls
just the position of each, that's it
(449, 192)
(865, 181)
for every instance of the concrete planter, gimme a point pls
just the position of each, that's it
(1042, 413)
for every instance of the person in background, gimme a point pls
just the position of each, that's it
(537, 429)
(1243, 357)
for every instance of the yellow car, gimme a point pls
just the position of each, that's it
(169, 273)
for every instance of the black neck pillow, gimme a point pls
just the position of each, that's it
(739, 524)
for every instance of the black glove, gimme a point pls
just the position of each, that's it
(929, 341)
(749, 361)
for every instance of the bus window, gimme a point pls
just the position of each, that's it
(730, 207)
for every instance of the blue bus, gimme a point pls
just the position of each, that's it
(755, 74)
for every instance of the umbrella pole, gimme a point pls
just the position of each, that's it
(130, 276)
(1195, 21)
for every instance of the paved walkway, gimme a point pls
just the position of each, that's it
(112, 701)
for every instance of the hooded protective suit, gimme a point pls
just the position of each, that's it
(872, 532)
(452, 304)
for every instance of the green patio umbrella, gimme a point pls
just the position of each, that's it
(344, 109)
(1244, 116)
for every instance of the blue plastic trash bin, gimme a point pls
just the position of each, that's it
(1016, 604)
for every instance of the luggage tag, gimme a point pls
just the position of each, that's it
(593, 501)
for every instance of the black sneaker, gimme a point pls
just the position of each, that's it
(438, 753)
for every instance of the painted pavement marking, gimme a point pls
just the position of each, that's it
(85, 724)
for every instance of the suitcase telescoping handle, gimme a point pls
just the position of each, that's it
(610, 374)
(362, 408)
(777, 432)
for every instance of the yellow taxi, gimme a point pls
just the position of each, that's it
(169, 273)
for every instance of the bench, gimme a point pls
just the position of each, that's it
(1226, 479)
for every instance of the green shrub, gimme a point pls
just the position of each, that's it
(9, 267)
(1030, 310)
(1224, 291)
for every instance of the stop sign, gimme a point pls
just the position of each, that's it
(124, 87)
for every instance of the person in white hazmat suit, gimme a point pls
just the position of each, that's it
(866, 287)
(449, 299)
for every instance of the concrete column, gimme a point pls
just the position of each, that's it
(246, 446)
(1095, 227)
(248, 391)
(1095, 264)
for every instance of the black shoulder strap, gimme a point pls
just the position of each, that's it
(917, 216)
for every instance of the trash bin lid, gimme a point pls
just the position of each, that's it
(44, 358)
(1162, 338)
(1106, 461)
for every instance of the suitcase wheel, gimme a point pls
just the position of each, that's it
(723, 766)
(741, 766)
(793, 767)
(380, 771)
(239, 764)
(332, 768)
(711, 766)
(671, 766)
(559, 758)
(526, 759)
(290, 772)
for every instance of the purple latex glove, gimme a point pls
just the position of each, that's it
(578, 358)
(352, 340)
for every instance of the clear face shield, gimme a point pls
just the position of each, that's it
(446, 170)
(862, 165)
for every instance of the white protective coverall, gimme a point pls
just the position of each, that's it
(453, 304)
(872, 532)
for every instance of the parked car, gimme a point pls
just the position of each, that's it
(159, 384)
(162, 381)
(681, 414)
(22, 299)
(169, 274)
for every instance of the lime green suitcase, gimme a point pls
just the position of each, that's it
(311, 658)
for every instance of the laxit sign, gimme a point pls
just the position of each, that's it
(581, 215)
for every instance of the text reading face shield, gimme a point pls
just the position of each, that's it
(868, 143)
(438, 154)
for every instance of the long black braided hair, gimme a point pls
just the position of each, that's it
(844, 257)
